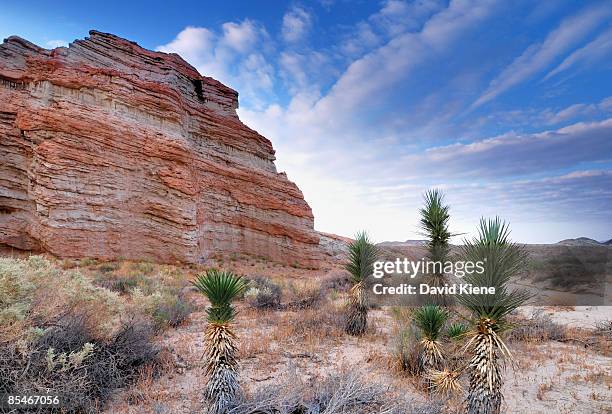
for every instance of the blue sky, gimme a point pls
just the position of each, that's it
(507, 106)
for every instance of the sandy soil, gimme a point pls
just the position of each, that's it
(586, 317)
(548, 377)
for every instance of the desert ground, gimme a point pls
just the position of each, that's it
(292, 343)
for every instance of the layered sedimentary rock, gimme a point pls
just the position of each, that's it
(110, 150)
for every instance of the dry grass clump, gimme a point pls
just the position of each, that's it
(539, 328)
(266, 294)
(347, 391)
(407, 351)
(304, 295)
(322, 322)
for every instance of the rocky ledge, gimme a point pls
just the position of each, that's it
(109, 150)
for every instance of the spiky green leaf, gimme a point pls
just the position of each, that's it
(362, 254)
(502, 260)
(430, 319)
(221, 288)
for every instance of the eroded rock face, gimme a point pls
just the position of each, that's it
(110, 150)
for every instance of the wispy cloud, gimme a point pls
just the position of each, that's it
(521, 154)
(296, 24)
(372, 75)
(398, 16)
(592, 52)
(539, 56)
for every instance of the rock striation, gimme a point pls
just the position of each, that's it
(109, 150)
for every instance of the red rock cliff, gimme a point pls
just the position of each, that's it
(110, 150)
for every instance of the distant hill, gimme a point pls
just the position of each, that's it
(404, 243)
(582, 241)
(609, 242)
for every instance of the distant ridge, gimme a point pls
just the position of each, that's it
(582, 241)
(404, 243)
(609, 242)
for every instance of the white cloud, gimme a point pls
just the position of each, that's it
(234, 55)
(593, 52)
(52, 44)
(369, 78)
(241, 36)
(539, 56)
(356, 172)
(393, 19)
(514, 154)
(363, 38)
(194, 44)
(304, 71)
(321, 137)
(296, 25)
(398, 16)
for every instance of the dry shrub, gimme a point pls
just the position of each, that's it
(314, 324)
(155, 291)
(34, 290)
(108, 267)
(167, 307)
(346, 392)
(172, 313)
(263, 294)
(70, 360)
(62, 335)
(337, 280)
(540, 327)
(144, 268)
(407, 351)
(305, 295)
(123, 284)
(604, 329)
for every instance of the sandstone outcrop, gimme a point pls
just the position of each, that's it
(110, 150)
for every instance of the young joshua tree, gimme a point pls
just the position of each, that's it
(434, 225)
(221, 288)
(502, 260)
(362, 255)
(430, 319)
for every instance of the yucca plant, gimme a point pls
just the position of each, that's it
(456, 331)
(430, 319)
(455, 357)
(502, 260)
(221, 288)
(362, 254)
(434, 226)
